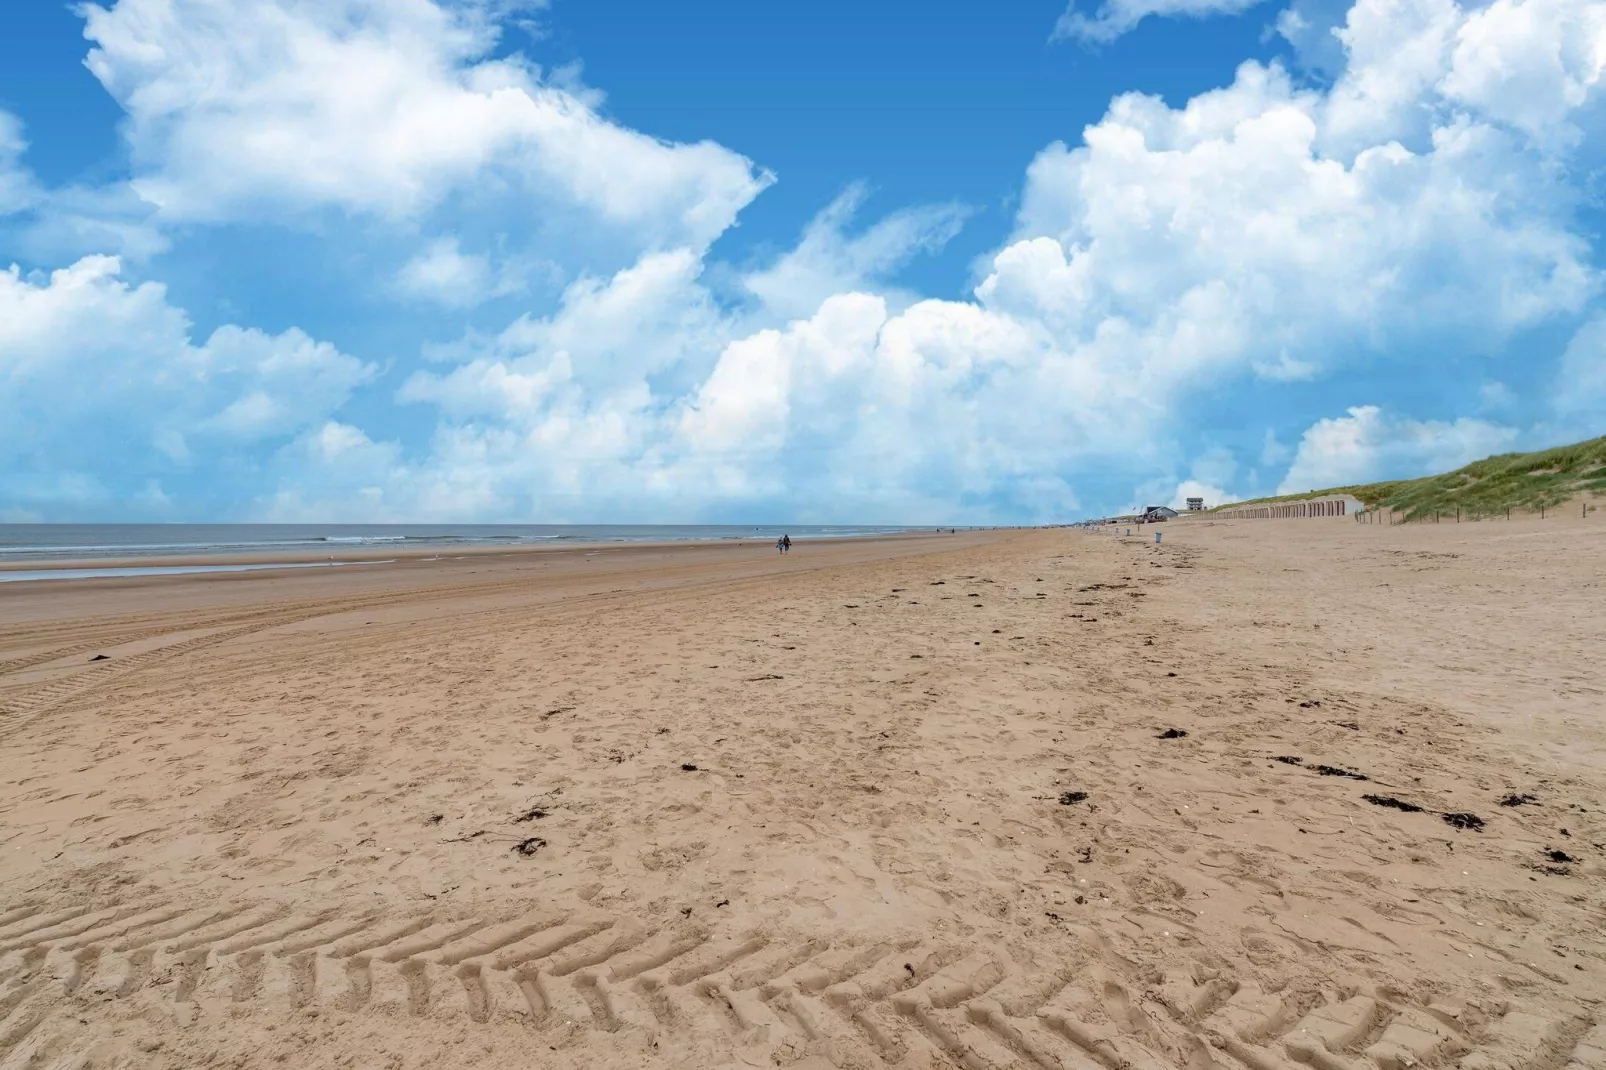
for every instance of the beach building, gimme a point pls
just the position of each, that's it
(1195, 505)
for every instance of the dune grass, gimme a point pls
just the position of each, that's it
(1524, 482)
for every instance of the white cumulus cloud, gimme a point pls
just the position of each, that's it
(105, 388)
(237, 109)
(1368, 445)
(1224, 228)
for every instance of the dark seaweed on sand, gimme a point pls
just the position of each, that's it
(1392, 803)
(1333, 770)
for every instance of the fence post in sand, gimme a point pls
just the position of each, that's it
(1157, 537)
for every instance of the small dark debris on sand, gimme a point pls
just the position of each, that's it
(1174, 733)
(528, 847)
(101, 657)
(1333, 770)
(436, 819)
(1087, 856)
(916, 656)
(687, 767)
(1464, 821)
(1518, 800)
(1311, 704)
(1353, 726)
(1558, 856)
(1392, 803)
(1068, 798)
(555, 711)
(661, 732)
(939, 583)
(766, 676)
(1289, 759)
(723, 903)
(1169, 674)
(850, 605)
(1554, 871)
(534, 813)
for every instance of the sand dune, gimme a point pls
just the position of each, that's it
(1272, 794)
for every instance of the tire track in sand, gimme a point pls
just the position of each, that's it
(911, 1001)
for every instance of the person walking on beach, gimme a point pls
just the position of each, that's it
(780, 545)
(786, 544)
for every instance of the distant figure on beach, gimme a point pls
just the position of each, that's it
(786, 544)
(780, 545)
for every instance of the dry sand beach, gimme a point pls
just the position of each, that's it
(1272, 794)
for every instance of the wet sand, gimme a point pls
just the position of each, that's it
(1272, 794)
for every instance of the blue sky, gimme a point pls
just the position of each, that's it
(615, 261)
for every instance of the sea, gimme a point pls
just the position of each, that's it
(42, 543)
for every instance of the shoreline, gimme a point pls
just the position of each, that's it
(408, 555)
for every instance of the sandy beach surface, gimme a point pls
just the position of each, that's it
(1271, 794)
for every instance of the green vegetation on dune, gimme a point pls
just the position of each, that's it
(1515, 481)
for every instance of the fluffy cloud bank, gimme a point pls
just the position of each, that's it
(387, 109)
(105, 390)
(1265, 233)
